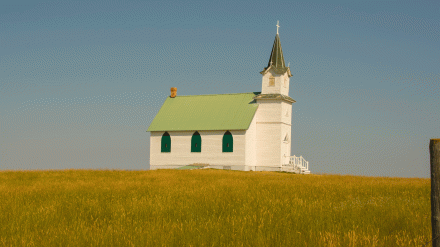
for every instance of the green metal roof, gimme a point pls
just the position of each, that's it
(206, 112)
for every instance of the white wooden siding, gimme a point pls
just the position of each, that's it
(285, 147)
(272, 127)
(211, 153)
(251, 147)
(268, 144)
(285, 90)
(286, 107)
(279, 83)
(269, 111)
(286, 128)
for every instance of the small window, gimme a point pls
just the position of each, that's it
(228, 142)
(286, 139)
(287, 113)
(271, 81)
(285, 82)
(165, 146)
(196, 143)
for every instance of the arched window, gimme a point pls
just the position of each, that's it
(286, 139)
(271, 81)
(196, 142)
(165, 146)
(285, 82)
(228, 142)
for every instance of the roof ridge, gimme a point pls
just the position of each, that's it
(215, 94)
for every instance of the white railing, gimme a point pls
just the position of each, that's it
(300, 162)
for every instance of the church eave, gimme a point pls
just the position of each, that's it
(277, 70)
(274, 97)
(194, 129)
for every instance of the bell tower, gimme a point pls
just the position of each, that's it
(274, 112)
(276, 75)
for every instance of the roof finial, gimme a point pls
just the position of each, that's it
(278, 25)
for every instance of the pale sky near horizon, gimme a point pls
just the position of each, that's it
(80, 81)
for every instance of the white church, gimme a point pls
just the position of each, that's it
(241, 131)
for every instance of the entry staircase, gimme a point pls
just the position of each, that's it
(298, 164)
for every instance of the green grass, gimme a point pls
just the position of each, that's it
(207, 207)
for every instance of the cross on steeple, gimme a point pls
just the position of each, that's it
(276, 60)
(278, 25)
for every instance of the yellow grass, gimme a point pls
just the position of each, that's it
(210, 208)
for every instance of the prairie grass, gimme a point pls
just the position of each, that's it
(207, 207)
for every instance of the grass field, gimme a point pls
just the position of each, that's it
(211, 208)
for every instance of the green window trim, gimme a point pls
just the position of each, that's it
(165, 143)
(196, 143)
(228, 142)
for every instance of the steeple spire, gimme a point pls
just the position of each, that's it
(276, 57)
(276, 60)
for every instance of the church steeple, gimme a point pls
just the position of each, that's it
(276, 60)
(276, 56)
(273, 117)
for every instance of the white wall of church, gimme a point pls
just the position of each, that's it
(273, 121)
(274, 111)
(287, 129)
(268, 132)
(286, 110)
(281, 83)
(269, 111)
(251, 148)
(286, 82)
(268, 144)
(211, 151)
(286, 146)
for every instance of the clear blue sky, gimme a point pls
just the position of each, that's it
(80, 81)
